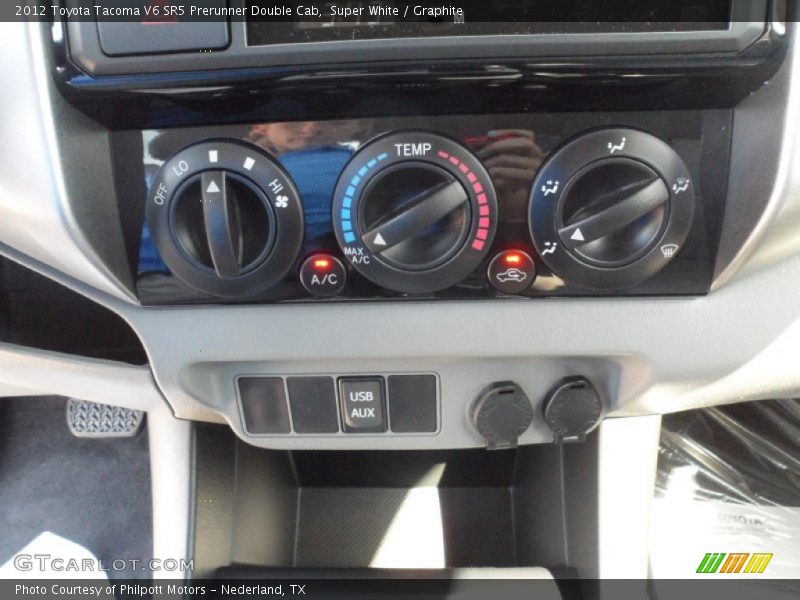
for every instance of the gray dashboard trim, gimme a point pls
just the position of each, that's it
(43, 373)
(626, 477)
(172, 481)
(762, 217)
(54, 207)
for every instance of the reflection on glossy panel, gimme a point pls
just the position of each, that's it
(511, 148)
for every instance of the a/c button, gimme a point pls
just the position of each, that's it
(362, 405)
(323, 275)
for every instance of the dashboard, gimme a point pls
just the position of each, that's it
(501, 235)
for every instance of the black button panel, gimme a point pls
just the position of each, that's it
(384, 404)
(264, 405)
(313, 402)
(362, 403)
(412, 405)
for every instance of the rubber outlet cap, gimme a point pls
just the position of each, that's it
(502, 413)
(573, 409)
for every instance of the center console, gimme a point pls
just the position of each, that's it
(303, 171)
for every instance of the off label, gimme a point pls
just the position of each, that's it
(161, 195)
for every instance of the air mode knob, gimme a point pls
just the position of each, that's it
(414, 212)
(611, 208)
(225, 218)
(612, 211)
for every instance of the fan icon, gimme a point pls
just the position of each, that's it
(281, 202)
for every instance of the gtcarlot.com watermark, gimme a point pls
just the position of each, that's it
(48, 562)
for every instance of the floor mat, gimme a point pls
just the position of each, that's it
(94, 492)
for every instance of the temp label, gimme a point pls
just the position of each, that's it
(410, 150)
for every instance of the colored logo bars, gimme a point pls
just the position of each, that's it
(741, 562)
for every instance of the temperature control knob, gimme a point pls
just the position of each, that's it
(611, 208)
(415, 212)
(225, 218)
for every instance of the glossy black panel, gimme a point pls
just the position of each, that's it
(613, 78)
(511, 147)
(371, 20)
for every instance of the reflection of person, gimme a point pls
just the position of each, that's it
(279, 138)
(314, 153)
(512, 158)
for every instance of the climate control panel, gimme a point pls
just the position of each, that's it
(457, 207)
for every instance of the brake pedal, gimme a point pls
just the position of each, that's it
(94, 420)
